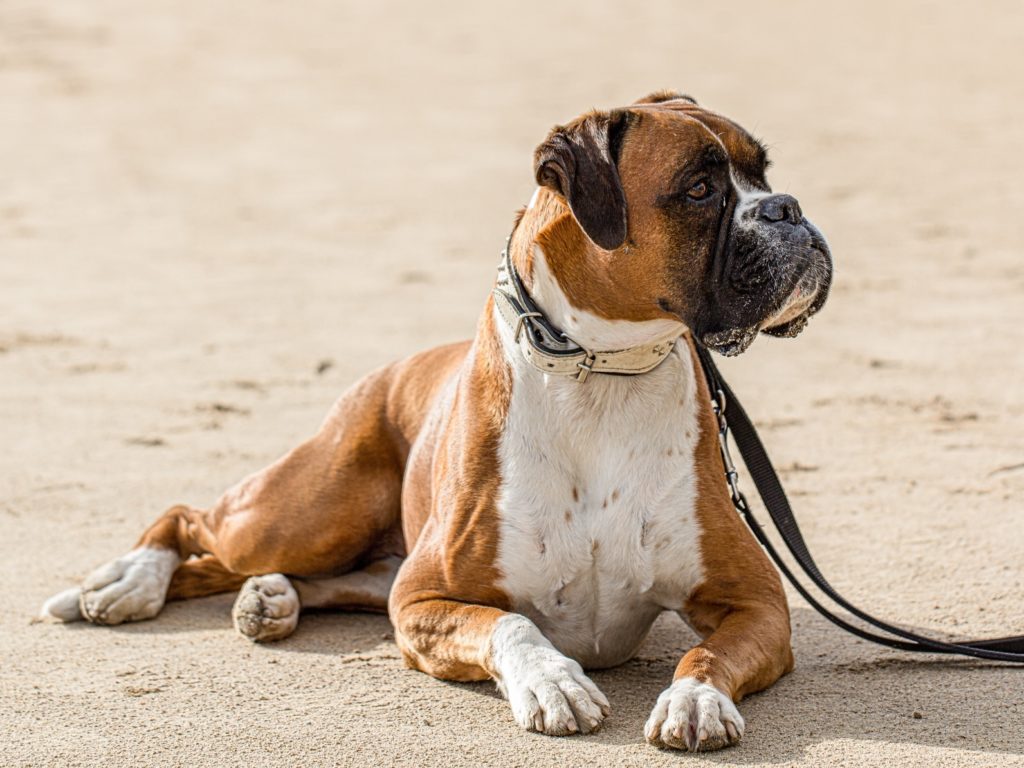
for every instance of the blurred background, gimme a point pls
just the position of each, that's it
(215, 216)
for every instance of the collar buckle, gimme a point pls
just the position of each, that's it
(552, 351)
(586, 367)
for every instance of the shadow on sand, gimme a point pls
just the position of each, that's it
(842, 688)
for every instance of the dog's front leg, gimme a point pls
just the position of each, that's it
(459, 641)
(746, 649)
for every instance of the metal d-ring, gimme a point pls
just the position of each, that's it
(521, 321)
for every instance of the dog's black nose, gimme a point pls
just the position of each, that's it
(775, 208)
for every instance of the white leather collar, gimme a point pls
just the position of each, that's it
(551, 351)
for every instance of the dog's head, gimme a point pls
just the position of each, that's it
(683, 223)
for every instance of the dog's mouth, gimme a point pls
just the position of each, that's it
(731, 341)
(798, 308)
(789, 315)
(810, 293)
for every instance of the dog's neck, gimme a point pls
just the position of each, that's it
(555, 261)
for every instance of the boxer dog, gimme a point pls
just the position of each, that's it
(525, 504)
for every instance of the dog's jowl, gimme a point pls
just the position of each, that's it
(526, 503)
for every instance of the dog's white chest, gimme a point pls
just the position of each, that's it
(598, 529)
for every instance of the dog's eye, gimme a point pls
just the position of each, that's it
(699, 191)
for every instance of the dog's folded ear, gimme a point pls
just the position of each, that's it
(579, 161)
(667, 95)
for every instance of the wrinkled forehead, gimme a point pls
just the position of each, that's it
(682, 132)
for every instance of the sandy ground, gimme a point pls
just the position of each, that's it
(215, 216)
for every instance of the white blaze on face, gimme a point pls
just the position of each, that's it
(744, 218)
(747, 198)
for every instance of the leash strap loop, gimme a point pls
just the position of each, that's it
(767, 482)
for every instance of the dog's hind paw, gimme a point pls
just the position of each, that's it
(64, 606)
(267, 608)
(131, 588)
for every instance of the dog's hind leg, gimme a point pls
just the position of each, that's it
(329, 506)
(202, 576)
(135, 586)
(367, 589)
(268, 607)
(319, 509)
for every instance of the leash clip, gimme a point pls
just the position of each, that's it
(732, 477)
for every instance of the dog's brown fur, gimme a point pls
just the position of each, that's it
(406, 463)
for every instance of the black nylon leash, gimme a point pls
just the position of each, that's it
(731, 416)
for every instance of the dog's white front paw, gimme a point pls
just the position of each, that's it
(548, 691)
(267, 608)
(694, 716)
(130, 588)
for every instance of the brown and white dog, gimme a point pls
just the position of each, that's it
(523, 515)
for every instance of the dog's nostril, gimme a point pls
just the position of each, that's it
(775, 208)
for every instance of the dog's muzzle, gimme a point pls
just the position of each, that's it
(775, 274)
